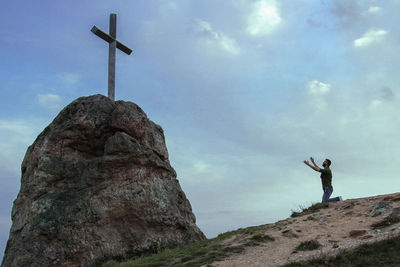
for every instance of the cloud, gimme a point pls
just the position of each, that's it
(201, 167)
(347, 12)
(376, 103)
(370, 37)
(387, 93)
(264, 18)
(198, 170)
(49, 101)
(318, 90)
(374, 10)
(13, 126)
(204, 30)
(315, 87)
(15, 136)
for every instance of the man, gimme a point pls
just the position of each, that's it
(326, 179)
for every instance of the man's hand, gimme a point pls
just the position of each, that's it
(315, 167)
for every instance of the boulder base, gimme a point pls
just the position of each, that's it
(97, 184)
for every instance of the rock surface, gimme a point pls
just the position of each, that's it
(357, 233)
(380, 208)
(97, 184)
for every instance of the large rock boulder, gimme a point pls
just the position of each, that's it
(97, 184)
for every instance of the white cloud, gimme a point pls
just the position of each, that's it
(318, 88)
(204, 30)
(374, 10)
(376, 103)
(197, 170)
(264, 18)
(201, 167)
(13, 126)
(49, 101)
(370, 37)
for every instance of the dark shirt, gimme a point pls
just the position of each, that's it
(326, 178)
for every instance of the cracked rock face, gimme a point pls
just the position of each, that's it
(97, 184)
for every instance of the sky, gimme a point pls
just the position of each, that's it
(245, 90)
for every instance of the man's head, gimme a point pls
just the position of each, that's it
(326, 163)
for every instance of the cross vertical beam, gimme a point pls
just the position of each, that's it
(111, 39)
(111, 56)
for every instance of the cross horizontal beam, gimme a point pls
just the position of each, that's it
(108, 38)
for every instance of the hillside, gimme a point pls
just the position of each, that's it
(319, 231)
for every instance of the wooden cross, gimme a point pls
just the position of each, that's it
(111, 39)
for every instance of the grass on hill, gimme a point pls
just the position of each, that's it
(312, 209)
(382, 253)
(202, 252)
(308, 245)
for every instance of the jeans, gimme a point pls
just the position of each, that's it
(327, 193)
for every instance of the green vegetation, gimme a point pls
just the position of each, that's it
(310, 218)
(262, 238)
(258, 239)
(383, 253)
(393, 220)
(312, 209)
(202, 252)
(196, 254)
(308, 245)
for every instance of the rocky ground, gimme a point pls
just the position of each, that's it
(340, 226)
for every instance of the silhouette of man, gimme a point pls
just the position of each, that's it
(326, 179)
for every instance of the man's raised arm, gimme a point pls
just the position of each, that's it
(315, 167)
